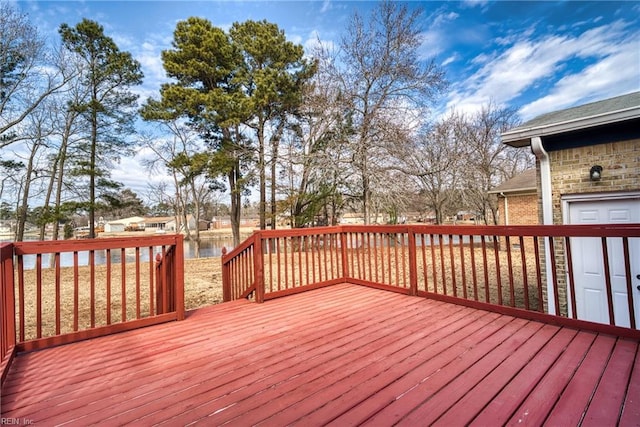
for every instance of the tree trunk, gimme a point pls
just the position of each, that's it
(262, 207)
(236, 202)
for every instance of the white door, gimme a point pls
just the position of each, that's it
(588, 266)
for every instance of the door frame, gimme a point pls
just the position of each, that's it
(566, 201)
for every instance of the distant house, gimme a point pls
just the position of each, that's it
(518, 200)
(358, 218)
(224, 223)
(124, 224)
(588, 172)
(157, 224)
(5, 229)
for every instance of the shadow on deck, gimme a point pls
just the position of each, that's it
(341, 355)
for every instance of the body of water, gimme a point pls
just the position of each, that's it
(208, 248)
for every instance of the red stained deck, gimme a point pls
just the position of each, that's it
(340, 355)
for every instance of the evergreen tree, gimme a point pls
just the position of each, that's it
(108, 73)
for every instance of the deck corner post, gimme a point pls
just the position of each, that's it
(258, 266)
(8, 313)
(179, 278)
(413, 266)
(226, 286)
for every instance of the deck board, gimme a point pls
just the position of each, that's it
(341, 355)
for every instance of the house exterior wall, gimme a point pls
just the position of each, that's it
(570, 171)
(521, 209)
(570, 176)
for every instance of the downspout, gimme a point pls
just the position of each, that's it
(506, 209)
(547, 212)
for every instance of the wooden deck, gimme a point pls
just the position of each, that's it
(340, 355)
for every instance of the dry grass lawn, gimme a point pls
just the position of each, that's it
(202, 282)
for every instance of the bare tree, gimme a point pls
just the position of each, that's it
(28, 73)
(381, 76)
(35, 134)
(488, 161)
(435, 160)
(314, 165)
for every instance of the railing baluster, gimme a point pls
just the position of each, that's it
(483, 242)
(554, 275)
(607, 277)
(151, 292)
(452, 262)
(627, 273)
(123, 286)
(108, 285)
(39, 296)
(572, 288)
(403, 250)
(496, 252)
(76, 293)
(433, 263)
(512, 294)
(536, 249)
(92, 267)
(473, 267)
(21, 296)
(138, 294)
(58, 290)
(442, 269)
(278, 263)
(462, 266)
(424, 262)
(525, 277)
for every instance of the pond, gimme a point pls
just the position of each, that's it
(209, 248)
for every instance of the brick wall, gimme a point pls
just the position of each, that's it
(522, 209)
(570, 171)
(570, 175)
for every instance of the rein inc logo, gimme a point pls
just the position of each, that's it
(16, 421)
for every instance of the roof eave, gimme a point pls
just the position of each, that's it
(521, 137)
(514, 191)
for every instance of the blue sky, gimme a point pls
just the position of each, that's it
(537, 56)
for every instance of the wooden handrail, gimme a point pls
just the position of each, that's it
(467, 263)
(116, 293)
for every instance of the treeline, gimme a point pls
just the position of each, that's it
(349, 126)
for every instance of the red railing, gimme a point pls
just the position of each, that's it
(514, 267)
(7, 305)
(56, 292)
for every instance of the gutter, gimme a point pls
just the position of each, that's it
(547, 212)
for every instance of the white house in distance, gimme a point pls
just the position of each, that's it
(124, 224)
(150, 225)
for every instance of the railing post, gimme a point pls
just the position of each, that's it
(258, 266)
(226, 286)
(413, 265)
(160, 281)
(178, 277)
(345, 261)
(7, 293)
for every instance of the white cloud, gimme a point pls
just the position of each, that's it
(326, 6)
(615, 75)
(450, 60)
(529, 62)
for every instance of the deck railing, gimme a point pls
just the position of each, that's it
(55, 292)
(514, 267)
